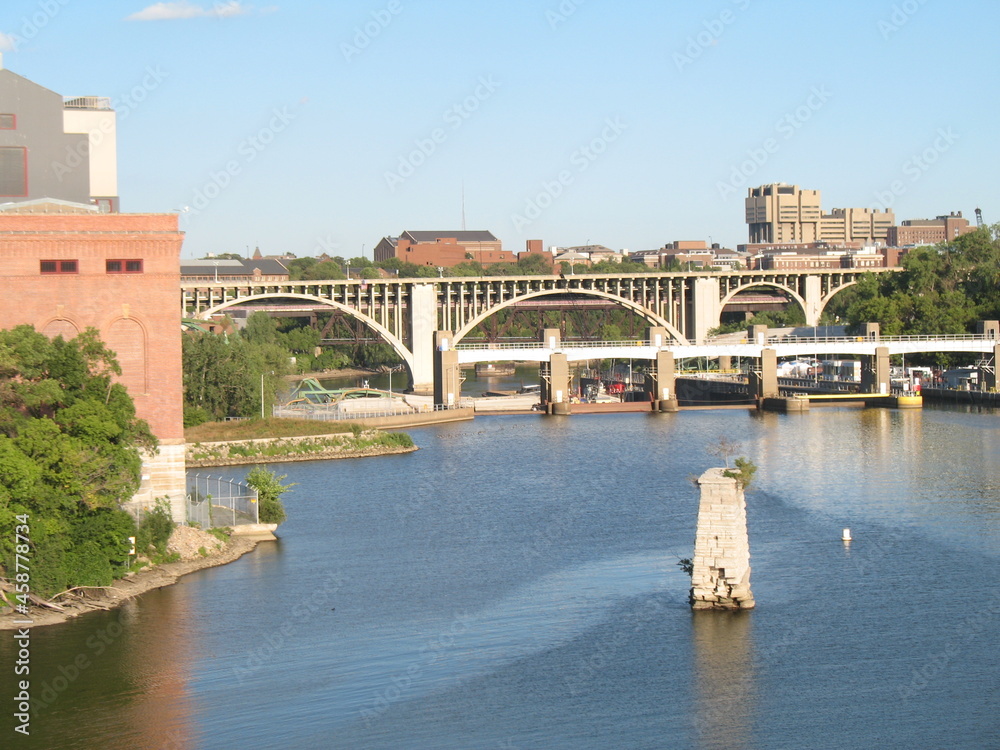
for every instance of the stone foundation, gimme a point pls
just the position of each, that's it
(163, 475)
(721, 575)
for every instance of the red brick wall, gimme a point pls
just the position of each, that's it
(139, 315)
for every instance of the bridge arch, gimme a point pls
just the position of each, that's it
(825, 299)
(774, 285)
(397, 345)
(643, 312)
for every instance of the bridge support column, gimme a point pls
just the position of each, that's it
(707, 307)
(721, 574)
(814, 300)
(764, 382)
(988, 371)
(423, 341)
(557, 385)
(447, 374)
(725, 362)
(875, 371)
(662, 384)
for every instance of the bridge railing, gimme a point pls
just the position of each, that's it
(825, 340)
(331, 412)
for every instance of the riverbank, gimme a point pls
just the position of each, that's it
(357, 444)
(84, 600)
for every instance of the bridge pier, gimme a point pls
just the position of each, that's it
(721, 565)
(988, 371)
(423, 339)
(447, 380)
(554, 375)
(663, 378)
(875, 371)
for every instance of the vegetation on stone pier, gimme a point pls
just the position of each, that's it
(69, 456)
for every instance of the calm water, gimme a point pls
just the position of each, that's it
(513, 585)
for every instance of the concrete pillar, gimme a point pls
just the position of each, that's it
(551, 338)
(988, 374)
(557, 385)
(447, 374)
(725, 362)
(757, 335)
(423, 324)
(665, 383)
(707, 307)
(988, 328)
(814, 300)
(657, 336)
(764, 382)
(875, 371)
(871, 331)
(721, 575)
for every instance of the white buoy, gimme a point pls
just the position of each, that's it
(846, 536)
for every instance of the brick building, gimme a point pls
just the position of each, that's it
(445, 249)
(70, 261)
(929, 231)
(72, 268)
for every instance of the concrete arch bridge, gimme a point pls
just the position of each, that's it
(406, 313)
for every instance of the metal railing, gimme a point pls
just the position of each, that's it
(332, 412)
(215, 501)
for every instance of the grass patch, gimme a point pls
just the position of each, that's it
(354, 442)
(252, 429)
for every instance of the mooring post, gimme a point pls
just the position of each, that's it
(720, 577)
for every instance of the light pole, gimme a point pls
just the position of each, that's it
(261, 394)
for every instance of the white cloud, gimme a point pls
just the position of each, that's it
(8, 42)
(183, 9)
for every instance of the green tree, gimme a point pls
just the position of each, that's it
(269, 491)
(70, 447)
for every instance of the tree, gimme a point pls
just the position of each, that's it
(70, 447)
(269, 491)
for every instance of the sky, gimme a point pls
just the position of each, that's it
(312, 127)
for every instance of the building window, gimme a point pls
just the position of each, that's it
(8, 122)
(13, 171)
(123, 266)
(59, 266)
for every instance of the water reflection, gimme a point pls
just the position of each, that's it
(724, 679)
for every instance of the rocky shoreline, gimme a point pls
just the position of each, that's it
(94, 599)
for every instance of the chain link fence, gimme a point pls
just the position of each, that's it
(215, 501)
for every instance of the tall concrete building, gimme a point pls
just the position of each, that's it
(780, 213)
(56, 148)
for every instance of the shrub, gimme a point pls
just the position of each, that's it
(154, 530)
(269, 491)
(195, 415)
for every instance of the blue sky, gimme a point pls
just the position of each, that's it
(323, 126)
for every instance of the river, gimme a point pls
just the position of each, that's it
(513, 584)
